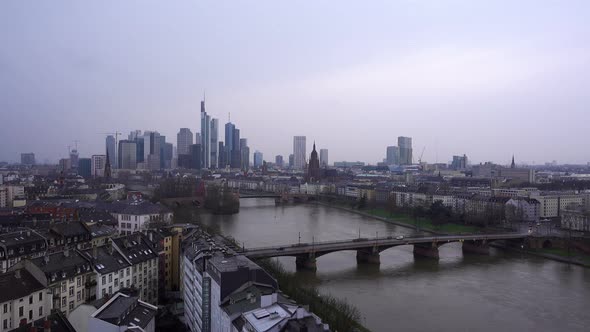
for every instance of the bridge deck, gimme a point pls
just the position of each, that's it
(363, 243)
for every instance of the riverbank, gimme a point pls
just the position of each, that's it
(425, 226)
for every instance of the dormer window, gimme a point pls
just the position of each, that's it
(21, 250)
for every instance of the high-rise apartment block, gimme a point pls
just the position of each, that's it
(98, 163)
(299, 143)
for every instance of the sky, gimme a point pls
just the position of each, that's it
(488, 78)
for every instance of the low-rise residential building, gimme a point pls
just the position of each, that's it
(137, 215)
(576, 218)
(23, 299)
(20, 244)
(137, 251)
(523, 210)
(65, 274)
(112, 272)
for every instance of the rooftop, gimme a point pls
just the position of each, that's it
(124, 310)
(17, 284)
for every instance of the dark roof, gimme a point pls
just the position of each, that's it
(14, 287)
(98, 230)
(105, 259)
(70, 229)
(138, 207)
(62, 265)
(21, 238)
(56, 321)
(94, 215)
(135, 247)
(124, 310)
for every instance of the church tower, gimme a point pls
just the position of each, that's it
(313, 169)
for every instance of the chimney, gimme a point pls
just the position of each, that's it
(95, 252)
(17, 274)
(47, 326)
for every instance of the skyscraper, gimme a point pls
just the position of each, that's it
(85, 167)
(127, 154)
(205, 137)
(243, 143)
(151, 149)
(257, 159)
(221, 161)
(279, 161)
(184, 139)
(405, 150)
(97, 166)
(196, 153)
(197, 139)
(214, 133)
(74, 158)
(111, 149)
(392, 157)
(324, 157)
(236, 154)
(291, 161)
(245, 158)
(27, 159)
(299, 152)
(229, 141)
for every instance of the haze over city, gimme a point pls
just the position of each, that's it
(353, 76)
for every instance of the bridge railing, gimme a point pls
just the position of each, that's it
(435, 238)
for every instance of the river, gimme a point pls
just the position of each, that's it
(504, 291)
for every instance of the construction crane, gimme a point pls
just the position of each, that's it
(421, 154)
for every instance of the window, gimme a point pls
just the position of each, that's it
(31, 299)
(79, 281)
(64, 301)
(30, 314)
(40, 311)
(5, 308)
(71, 307)
(128, 270)
(104, 280)
(5, 324)
(127, 283)
(21, 311)
(71, 290)
(110, 289)
(110, 277)
(116, 282)
(40, 296)
(79, 296)
(63, 286)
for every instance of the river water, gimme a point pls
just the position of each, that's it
(501, 292)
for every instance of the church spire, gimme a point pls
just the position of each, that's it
(512, 165)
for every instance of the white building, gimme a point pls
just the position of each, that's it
(136, 215)
(111, 272)
(23, 299)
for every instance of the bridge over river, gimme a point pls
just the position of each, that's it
(368, 249)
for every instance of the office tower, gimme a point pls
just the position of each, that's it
(196, 153)
(229, 141)
(392, 157)
(111, 149)
(27, 159)
(184, 139)
(459, 162)
(405, 150)
(205, 137)
(168, 153)
(291, 160)
(279, 161)
(214, 133)
(97, 165)
(197, 139)
(236, 155)
(127, 154)
(257, 159)
(299, 152)
(324, 157)
(139, 149)
(221, 161)
(151, 147)
(134, 135)
(85, 167)
(245, 158)
(243, 143)
(74, 158)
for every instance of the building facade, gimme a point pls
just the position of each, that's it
(299, 145)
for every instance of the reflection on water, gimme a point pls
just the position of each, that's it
(502, 291)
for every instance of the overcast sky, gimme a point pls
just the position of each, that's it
(485, 78)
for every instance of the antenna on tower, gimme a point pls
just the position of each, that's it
(229, 117)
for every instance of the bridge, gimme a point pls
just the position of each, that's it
(279, 197)
(367, 250)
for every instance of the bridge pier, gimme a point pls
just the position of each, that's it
(306, 262)
(368, 257)
(479, 247)
(429, 250)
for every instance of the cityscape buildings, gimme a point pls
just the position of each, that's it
(393, 156)
(27, 159)
(127, 154)
(405, 150)
(258, 158)
(98, 163)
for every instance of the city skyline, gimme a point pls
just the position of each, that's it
(422, 73)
